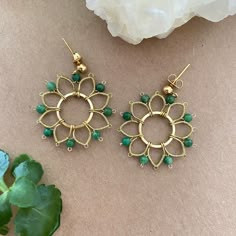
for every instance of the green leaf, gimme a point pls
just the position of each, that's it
(4, 163)
(19, 160)
(44, 218)
(3, 186)
(23, 193)
(30, 169)
(4, 230)
(5, 209)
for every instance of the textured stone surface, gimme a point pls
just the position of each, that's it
(135, 20)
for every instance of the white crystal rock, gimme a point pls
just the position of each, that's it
(134, 20)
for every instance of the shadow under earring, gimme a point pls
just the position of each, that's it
(167, 104)
(79, 86)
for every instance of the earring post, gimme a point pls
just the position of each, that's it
(68, 46)
(181, 73)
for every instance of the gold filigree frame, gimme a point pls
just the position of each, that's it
(173, 136)
(72, 128)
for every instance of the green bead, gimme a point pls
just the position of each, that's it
(41, 109)
(100, 87)
(96, 135)
(51, 86)
(107, 111)
(127, 115)
(188, 142)
(145, 98)
(170, 99)
(143, 160)
(168, 160)
(188, 117)
(48, 132)
(76, 77)
(70, 143)
(126, 141)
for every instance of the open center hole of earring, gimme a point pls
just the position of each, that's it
(75, 110)
(156, 129)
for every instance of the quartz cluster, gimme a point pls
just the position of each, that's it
(135, 20)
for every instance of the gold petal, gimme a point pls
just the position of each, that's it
(181, 123)
(99, 96)
(178, 153)
(171, 109)
(126, 125)
(158, 106)
(132, 152)
(99, 115)
(46, 115)
(82, 86)
(47, 95)
(67, 82)
(80, 141)
(141, 107)
(56, 133)
(154, 161)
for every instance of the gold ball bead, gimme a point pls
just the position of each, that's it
(81, 68)
(167, 89)
(77, 58)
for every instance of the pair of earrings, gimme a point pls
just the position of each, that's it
(148, 103)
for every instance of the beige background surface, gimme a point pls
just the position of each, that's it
(104, 192)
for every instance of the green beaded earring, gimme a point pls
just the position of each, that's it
(168, 103)
(76, 83)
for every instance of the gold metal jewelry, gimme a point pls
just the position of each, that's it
(76, 84)
(168, 103)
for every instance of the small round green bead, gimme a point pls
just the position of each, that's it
(145, 98)
(126, 141)
(40, 108)
(48, 132)
(168, 160)
(143, 160)
(170, 99)
(70, 143)
(188, 142)
(96, 134)
(100, 87)
(51, 86)
(107, 111)
(76, 77)
(127, 116)
(188, 117)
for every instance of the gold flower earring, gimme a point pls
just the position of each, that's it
(168, 104)
(76, 90)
